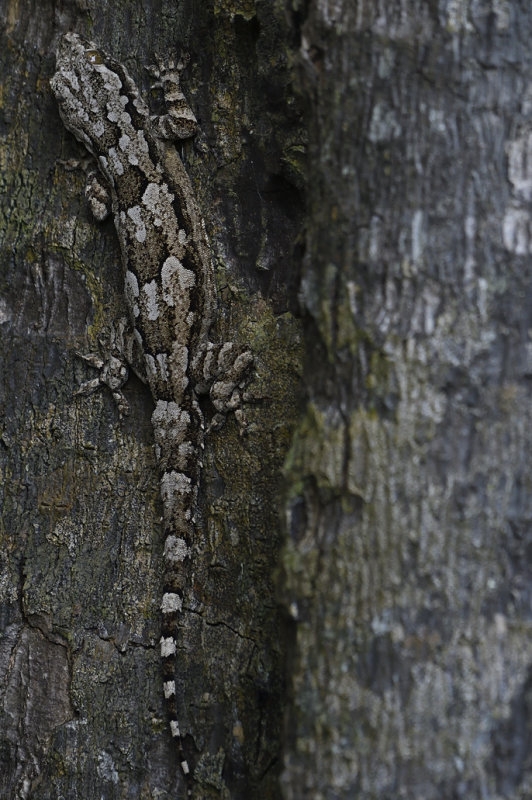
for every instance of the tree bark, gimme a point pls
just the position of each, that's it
(384, 651)
(407, 563)
(81, 708)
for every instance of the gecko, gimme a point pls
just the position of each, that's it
(169, 291)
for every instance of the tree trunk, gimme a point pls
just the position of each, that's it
(408, 562)
(389, 267)
(81, 708)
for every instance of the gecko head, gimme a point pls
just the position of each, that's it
(92, 90)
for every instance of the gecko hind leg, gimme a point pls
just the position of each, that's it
(221, 371)
(113, 373)
(113, 366)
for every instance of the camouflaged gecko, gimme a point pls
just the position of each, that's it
(168, 288)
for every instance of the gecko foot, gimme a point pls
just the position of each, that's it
(113, 371)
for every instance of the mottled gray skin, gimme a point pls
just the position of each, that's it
(168, 285)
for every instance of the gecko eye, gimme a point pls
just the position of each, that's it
(93, 56)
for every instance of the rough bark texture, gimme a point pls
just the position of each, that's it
(406, 577)
(81, 710)
(408, 563)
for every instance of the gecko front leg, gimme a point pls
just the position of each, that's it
(179, 121)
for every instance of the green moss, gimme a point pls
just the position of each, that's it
(230, 8)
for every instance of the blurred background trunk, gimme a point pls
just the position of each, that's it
(408, 562)
(364, 562)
